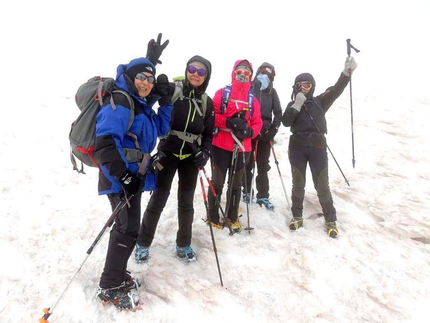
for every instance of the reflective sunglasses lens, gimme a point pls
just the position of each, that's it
(200, 71)
(245, 72)
(303, 85)
(192, 69)
(143, 77)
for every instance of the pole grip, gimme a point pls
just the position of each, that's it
(348, 47)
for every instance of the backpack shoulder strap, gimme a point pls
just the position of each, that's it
(250, 102)
(226, 92)
(130, 102)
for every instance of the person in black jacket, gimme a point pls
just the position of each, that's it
(271, 114)
(306, 117)
(186, 148)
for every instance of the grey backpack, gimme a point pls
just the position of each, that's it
(89, 98)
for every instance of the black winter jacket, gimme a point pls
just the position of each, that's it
(185, 118)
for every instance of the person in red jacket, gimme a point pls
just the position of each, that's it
(236, 123)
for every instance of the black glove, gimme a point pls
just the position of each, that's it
(155, 49)
(236, 123)
(270, 134)
(163, 89)
(245, 133)
(201, 158)
(131, 182)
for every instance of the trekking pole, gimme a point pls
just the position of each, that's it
(48, 311)
(210, 226)
(279, 172)
(319, 131)
(211, 187)
(231, 174)
(348, 50)
(253, 170)
(239, 144)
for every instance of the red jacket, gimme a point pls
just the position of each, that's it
(239, 91)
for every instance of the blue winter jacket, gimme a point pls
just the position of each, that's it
(111, 128)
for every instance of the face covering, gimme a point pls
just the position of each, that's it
(264, 79)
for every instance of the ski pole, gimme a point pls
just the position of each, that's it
(48, 311)
(238, 143)
(232, 172)
(279, 172)
(210, 226)
(348, 50)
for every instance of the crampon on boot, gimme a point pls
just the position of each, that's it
(120, 297)
(264, 201)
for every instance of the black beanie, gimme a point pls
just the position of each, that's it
(139, 65)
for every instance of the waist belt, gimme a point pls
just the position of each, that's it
(187, 136)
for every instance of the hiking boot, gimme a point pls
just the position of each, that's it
(130, 282)
(119, 296)
(141, 254)
(331, 229)
(295, 223)
(235, 226)
(186, 253)
(264, 201)
(214, 225)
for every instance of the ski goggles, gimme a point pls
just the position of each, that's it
(143, 77)
(305, 86)
(200, 71)
(243, 72)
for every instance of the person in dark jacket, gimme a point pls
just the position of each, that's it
(234, 120)
(271, 114)
(306, 117)
(186, 148)
(123, 159)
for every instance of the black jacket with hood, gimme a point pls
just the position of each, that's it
(185, 117)
(315, 107)
(270, 106)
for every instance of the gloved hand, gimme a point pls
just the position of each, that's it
(131, 182)
(163, 89)
(298, 103)
(245, 133)
(350, 66)
(236, 123)
(270, 134)
(201, 158)
(155, 49)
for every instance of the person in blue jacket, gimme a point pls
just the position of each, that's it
(123, 158)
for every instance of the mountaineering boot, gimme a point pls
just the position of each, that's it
(295, 223)
(186, 253)
(130, 282)
(214, 225)
(236, 226)
(331, 229)
(141, 254)
(264, 201)
(119, 296)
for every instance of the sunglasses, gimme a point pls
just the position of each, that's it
(244, 72)
(303, 85)
(143, 77)
(200, 71)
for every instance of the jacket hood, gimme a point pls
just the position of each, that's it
(202, 88)
(270, 71)
(305, 77)
(239, 62)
